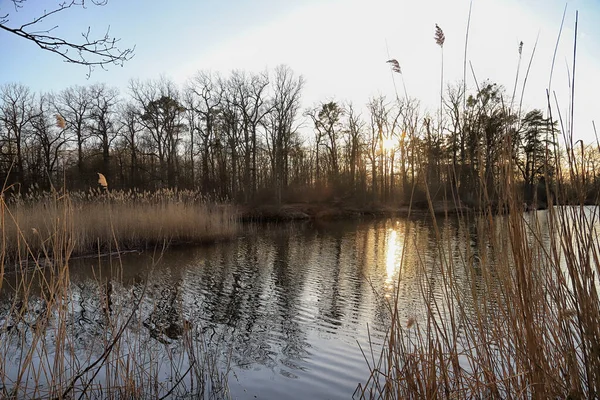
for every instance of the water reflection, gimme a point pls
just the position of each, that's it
(392, 261)
(285, 305)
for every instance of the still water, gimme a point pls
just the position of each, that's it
(291, 310)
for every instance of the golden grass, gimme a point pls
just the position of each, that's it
(97, 221)
(49, 348)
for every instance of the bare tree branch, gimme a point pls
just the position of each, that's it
(99, 51)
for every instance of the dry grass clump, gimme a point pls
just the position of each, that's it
(100, 219)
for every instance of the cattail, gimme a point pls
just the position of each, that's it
(102, 181)
(439, 36)
(395, 65)
(60, 121)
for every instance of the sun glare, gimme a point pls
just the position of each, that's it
(389, 144)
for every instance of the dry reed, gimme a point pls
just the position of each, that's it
(134, 220)
(527, 327)
(61, 340)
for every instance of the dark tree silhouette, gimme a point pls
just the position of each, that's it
(242, 138)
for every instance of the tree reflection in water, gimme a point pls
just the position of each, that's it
(285, 305)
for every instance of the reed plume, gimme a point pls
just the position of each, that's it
(512, 99)
(102, 181)
(440, 38)
(60, 121)
(395, 65)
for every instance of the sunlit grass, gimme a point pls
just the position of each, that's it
(99, 221)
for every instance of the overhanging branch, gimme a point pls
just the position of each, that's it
(101, 51)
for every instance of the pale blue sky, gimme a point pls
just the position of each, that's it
(338, 45)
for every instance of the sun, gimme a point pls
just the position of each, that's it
(389, 144)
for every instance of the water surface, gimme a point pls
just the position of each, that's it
(291, 309)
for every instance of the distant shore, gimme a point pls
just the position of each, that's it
(338, 210)
(324, 211)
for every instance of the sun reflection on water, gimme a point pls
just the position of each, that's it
(392, 263)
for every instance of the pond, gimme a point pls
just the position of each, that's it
(289, 311)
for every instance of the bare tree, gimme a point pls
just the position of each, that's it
(280, 124)
(162, 116)
(355, 139)
(408, 144)
(190, 103)
(249, 96)
(74, 105)
(230, 126)
(129, 131)
(208, 102)
(91, 50)
(49, 134)
(16, 102)
(327, 123)
(392, 140)
(378, 115)
(103, 125)
(313, 114)
(454, 104)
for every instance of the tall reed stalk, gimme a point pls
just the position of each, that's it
(440, 39)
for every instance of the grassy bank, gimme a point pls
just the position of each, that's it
(96, 222)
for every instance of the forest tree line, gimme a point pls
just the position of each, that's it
(246, 137)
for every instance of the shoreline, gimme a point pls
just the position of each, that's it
(270, 213)
(336, 211)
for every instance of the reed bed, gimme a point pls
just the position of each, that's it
(99, 338)
(97, 220)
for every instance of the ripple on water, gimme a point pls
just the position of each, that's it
(289, 305)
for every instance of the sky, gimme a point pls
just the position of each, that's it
(338, 46)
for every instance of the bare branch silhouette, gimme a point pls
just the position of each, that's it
(90, 50)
